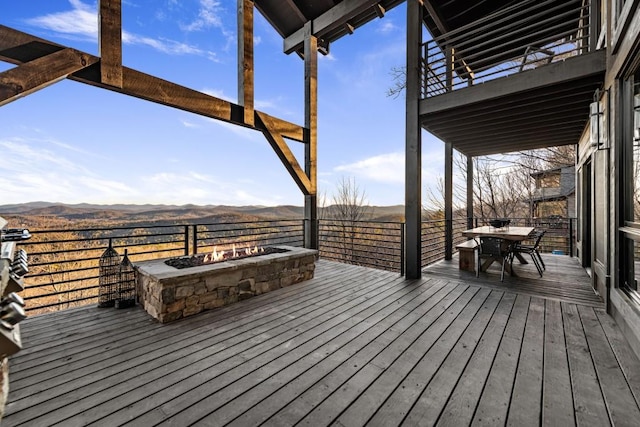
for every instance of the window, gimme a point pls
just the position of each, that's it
(548, 180)
(631, 140)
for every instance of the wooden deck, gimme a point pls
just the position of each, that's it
(563, 280)
(353, 346)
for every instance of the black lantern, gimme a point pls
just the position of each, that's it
(109, 276)
(127, 285)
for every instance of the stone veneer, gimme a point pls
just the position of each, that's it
(168, 293)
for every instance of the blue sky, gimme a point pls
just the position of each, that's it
(73, 143)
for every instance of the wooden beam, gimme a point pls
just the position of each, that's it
(286, 129)
(287, 158)
(379, 10)
(296, 10)
(16, 47)
(334, 18)
(350, 28)
(111, 42)
(436, 16)
(40, 73)
(311, 123)
(245, 59)
(413, 145)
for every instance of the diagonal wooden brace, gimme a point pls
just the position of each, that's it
(281, 148)
(41, 72)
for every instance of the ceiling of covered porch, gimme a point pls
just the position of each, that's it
(331, 19)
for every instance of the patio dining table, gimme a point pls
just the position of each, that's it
(511, 233)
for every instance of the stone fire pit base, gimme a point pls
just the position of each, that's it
(168, 293)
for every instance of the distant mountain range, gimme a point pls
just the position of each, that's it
(122, 212)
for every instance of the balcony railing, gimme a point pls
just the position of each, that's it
(63, 263)
(367, 243)
(560, 236)
(525, 36)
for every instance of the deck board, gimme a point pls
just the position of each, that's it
(563, 280)
(526, 399)
(494, 403)
(352, 346)
(557, 393)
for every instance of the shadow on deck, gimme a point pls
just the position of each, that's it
(352, 346)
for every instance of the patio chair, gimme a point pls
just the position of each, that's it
(496, 248)
(533, 250)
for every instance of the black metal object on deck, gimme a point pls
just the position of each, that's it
(127, 286)
(109, 277)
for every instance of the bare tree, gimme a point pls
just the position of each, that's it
(349, 201)
(399, 75)
(349, 208)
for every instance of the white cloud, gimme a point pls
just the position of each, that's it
(189, 124)
(197, 188)
(82, 21)
(208, 17)
(387, 168)
(31, 170)
(386, 27)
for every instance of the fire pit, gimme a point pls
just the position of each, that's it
(168, 293)
(221, 256)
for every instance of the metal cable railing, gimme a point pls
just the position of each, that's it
(560, 236)
(366, 243)
(63, 263)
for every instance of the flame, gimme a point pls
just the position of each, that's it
(216, 255)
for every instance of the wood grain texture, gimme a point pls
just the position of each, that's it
(17, 47)
(285, 154)
(110, 40)
(40, 73)
(245, 59)
(351, 346)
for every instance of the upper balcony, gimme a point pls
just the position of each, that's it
(510, 76)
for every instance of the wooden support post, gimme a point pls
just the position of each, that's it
(449, 70)
(311, 124)
(111, 42)
(448, 200)
(470, 192)
(413, 144)
(245, 59)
